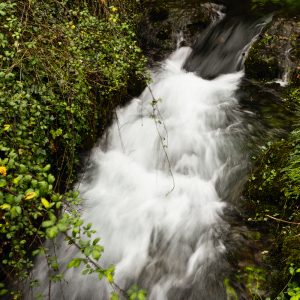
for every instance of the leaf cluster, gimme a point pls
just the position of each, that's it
(64, 66)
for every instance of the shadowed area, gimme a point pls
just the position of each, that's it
(222, 47)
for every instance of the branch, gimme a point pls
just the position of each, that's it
(162, 139)
(284, 221)
(9, 191)
(113, 284)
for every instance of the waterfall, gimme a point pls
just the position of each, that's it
(160, 180)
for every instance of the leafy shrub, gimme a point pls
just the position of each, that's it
(64, 66)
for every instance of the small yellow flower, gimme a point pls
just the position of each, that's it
(3, 170)
(114, 9)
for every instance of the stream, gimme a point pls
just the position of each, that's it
(161, 183)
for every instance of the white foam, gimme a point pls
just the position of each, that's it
(131, 200)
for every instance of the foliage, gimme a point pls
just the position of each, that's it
(289, 5)
(262, 63)
(273, 189)
(230, 291)
(292, 289)
(64, 66)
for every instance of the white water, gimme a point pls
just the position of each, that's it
(158, 212)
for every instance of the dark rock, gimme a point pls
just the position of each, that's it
(165, 21)
(158, 14)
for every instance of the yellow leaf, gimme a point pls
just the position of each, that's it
(16, 180)
(45, 202)
(6, 127)
(30, 195)
(5, 206)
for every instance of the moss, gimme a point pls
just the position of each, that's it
(275, 52)
(261, 66)
(262, 62)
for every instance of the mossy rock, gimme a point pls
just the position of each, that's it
(261, 66)
(276, 52)
(163, 21)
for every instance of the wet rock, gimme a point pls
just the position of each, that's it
(168, 24)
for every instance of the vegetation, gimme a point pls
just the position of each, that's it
(64, 66)
(287, 5)
(273, 189)
(263, 65)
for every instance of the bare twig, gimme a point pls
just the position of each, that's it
(119, 131)
(284, 221)
(155, 108)
(9, 191)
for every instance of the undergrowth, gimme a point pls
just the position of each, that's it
(274, 191)
(64, 66)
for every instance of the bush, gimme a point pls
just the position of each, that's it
(64, 66)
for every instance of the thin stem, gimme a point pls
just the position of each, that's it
(284, 221)
(155, 108)
(97, 266)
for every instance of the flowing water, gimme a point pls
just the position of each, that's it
(160, 181)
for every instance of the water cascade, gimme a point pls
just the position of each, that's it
(160, 181)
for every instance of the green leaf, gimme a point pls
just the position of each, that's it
(109, 274)
(96, 254)
(48, 223)
(52, 217)
(17, 179)
(18, 210)
(51, 178)
(114, 296)
(52, 232)
(2, 183)
(74, 263)
(43, 186)
(62, 227)
(47, 168)
(36, 252)
(95, 241)
(3, 292)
